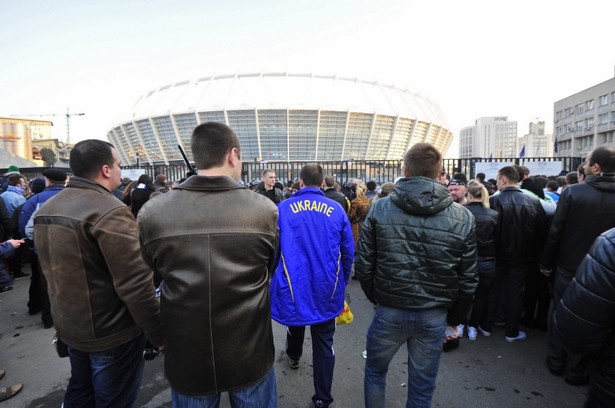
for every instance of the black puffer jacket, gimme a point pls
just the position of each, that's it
(486, 223)
(584, 211)
(417, 250)
(522, 226)
(585, 318)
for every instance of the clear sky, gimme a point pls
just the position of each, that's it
(474, 58)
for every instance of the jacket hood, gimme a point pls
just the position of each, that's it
(602, 183)
(421, 196)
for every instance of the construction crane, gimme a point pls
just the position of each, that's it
(68, 115)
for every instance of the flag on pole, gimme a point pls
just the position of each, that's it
(490, 156)
(522, 154)
(555, 145)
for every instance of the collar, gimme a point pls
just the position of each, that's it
(210, 183)
(309, 190)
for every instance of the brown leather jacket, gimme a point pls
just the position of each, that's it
(213, 242)
(102, 293)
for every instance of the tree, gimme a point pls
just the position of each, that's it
(49, 157)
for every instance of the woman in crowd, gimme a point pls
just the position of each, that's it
(486, 223)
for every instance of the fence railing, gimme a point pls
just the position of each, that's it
(381, 171)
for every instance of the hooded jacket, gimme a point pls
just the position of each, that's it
(584, 211)
(317, 251)
(417, 250)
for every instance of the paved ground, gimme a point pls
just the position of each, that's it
(486, 373)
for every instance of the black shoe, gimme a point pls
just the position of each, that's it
(20, 275)
(33, 311)
(5, 289)
(555, 372)
(48, 324)
(577, 381)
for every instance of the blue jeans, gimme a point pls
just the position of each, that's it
(423, 332)
(5, 276)
(109, 378)
(263, 394)
(323, 357)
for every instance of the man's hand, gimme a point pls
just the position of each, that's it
(16, 243)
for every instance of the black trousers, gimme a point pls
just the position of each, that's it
(509, 282)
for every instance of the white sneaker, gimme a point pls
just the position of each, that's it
(521, 336)
(472, 333)
(460, 330)
(484, 332)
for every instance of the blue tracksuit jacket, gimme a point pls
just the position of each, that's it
(317, 251)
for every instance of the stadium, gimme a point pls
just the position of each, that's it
(283, 117)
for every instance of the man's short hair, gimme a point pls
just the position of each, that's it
(605, 157)
(572, 178)
(210, 142)
(88, 157)
(481, 177)
(522, 171)
(511, 173)
(312, 175)
(15, 179)
(581, 169)
(329, 181)
(371, 185)
(267, 171)
(423, 159)
(561, 180)
(552, 185)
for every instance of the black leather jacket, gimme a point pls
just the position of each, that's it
(584, 319)
(583, 212)
(213, 242)
(486, 223)
(417, 250)
(522, 226)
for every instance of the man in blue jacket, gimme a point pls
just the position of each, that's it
(307, 289)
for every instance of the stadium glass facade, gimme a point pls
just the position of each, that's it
(283, 117)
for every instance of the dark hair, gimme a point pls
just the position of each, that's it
(423, 159)
(572, 178)
(581, 169)
(210, 142)
(542, 181)
(278, 185)
(605, 157)
(510, 172)
(312, 175)
(522, 170)
(553, 185)
(329, 181)
(533, 185)
(561, 180)
(481, 177)
(147, 180)
(371, 185)
(461, 177)
(15, 179)
(88, 157)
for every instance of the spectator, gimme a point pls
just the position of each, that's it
(572, 178)
(581, 172)
(308, 286)
(332, 193)
(14, 195)
(215, 287)
(371, 189)
(268, 188)
(416, 259)
(581, 329)
(101, 291)
(141, 193)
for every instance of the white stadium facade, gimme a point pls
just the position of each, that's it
(283, 117)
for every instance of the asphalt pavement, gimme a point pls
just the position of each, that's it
(488, 372)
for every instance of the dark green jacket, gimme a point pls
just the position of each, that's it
(417, 250)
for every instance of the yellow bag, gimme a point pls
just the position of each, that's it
(346, 316)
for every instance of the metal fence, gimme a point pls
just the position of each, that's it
(381, 171)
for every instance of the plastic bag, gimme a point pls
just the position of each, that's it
(346, 316)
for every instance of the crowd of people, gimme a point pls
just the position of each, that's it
(439, 257)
